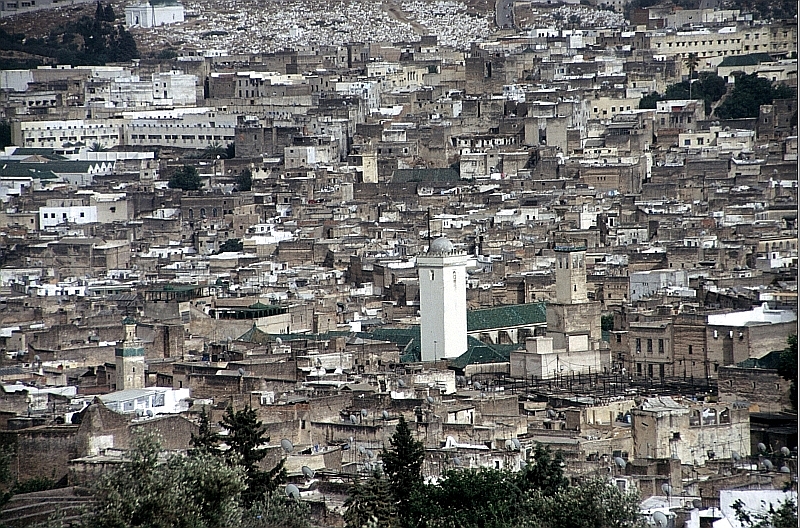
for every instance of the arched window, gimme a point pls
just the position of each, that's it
(203, 212)
(191, 214)
(214, 212)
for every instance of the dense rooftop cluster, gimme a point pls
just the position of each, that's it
(578, 230)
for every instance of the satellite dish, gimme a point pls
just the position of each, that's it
(307, 472)
(364, 413)
(353, 419)
(523, 464)
(287, 446)
(149, 413)
(736, 456)
(761, 447)
(278, 341)
(401, 383)
(768, 465)
(241, 372)
(667, 489)
(36, 358)
(456, 462)
(785, 451)
(292, 492)
(430, 399)
(362, 450)
(346, 447)
(385, 415)
(370, 454)
(785, 469)
(620, 462)
(660, 519)
(516, 443)
(477, 385)
(551, 413)
(509, 445)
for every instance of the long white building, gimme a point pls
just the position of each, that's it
(189, 128)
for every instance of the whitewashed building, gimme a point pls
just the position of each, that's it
(154, 13)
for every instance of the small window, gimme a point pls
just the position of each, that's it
(433, 275)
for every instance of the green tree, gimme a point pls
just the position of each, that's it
(709, 87)
(402, 464)
(149, 490)
(97, 147)
(206, 440)
(232, 245)
(593, 504)
(246, 439)
(545, 471)
(277, 511)
(370, 502)
(484, 498)
(649, 101)
(748, 94)
(787, 368)
(244, 181)
(785, 516)
(185, 178)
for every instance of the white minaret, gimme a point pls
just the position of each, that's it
(442, 301)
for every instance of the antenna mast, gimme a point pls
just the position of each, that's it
(429, 228)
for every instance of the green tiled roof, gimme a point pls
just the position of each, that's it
(424, 175)
(33, 151)
(255, 335)
(408, 339)
(479, 353)
(746, 60)
(506, 316)
(769, 361)
(15, 169)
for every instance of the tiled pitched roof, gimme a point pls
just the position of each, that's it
(506, 316)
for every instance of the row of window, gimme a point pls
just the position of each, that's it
(661, 345)
(63, 215)
(174, 137)
(614, 108)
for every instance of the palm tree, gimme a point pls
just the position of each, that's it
(96, 146)
(214, 151)
(691, 62)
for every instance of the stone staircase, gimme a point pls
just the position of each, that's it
(68, 505)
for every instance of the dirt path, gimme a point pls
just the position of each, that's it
(394, 9)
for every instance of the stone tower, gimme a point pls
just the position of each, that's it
(442, 301)
(129, 356)
(570, 275)
(573, 313)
